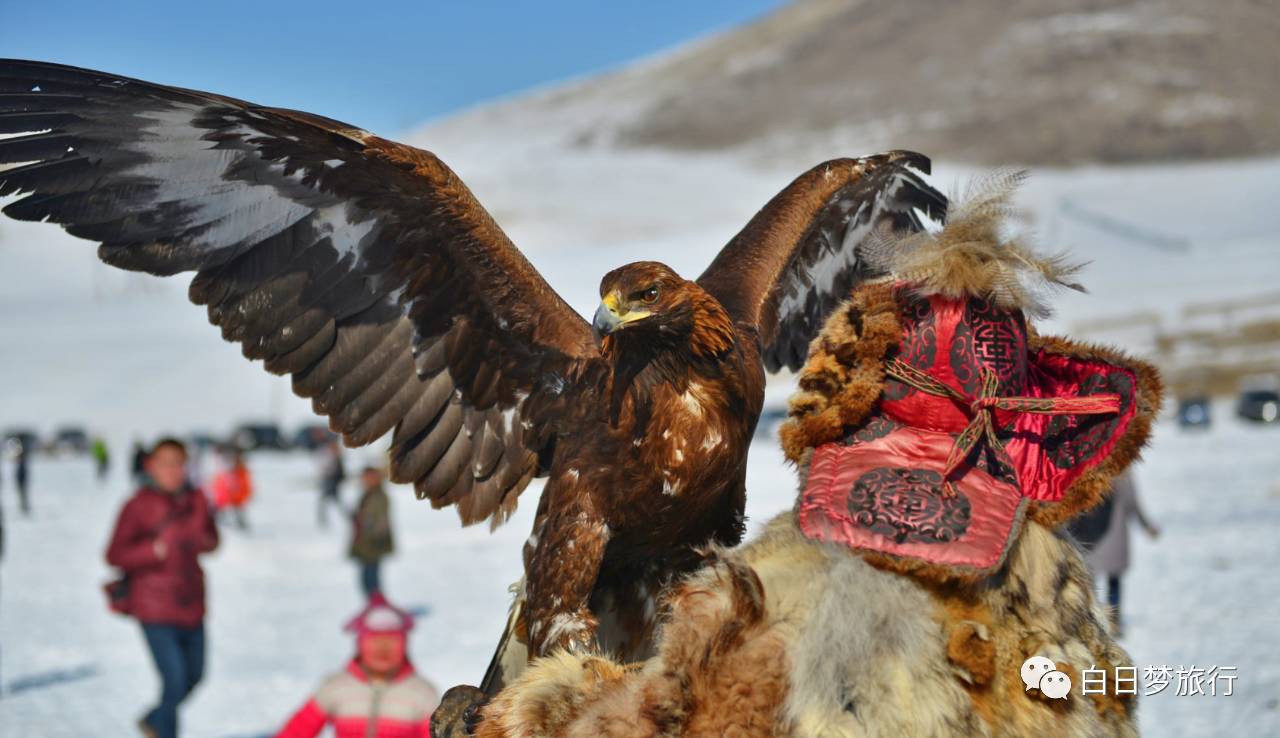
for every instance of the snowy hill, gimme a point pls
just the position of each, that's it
(1044, 82)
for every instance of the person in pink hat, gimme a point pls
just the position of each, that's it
(378, 694)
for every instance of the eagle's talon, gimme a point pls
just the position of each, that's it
(458, 714)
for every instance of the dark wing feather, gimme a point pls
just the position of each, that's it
(362, 267)
(801, 254)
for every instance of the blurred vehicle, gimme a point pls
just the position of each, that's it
(69, 440)
(1261, 405)
(1193, 412)
(312, 436)
(202, 440)
(259, 437)
(20, 438)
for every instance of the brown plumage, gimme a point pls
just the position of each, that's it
(367, 270)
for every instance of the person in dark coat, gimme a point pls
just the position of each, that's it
(1109, 557)
(160, 534)
(21, 476)
(371, 539)
(139, 461)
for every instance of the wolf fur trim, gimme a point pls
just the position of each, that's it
(841, 382)
(1092, 486)
(884, 654)
(787, 636)
(715, 634)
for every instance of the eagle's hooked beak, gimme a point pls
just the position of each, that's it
(607, 318)
(605, 322)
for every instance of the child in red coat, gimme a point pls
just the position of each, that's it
(378, 695)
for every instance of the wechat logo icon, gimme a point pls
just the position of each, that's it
(1042, 674)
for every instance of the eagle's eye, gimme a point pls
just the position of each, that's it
(650, 295)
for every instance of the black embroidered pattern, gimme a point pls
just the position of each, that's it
(878, 426)
(1071, 440)
(991, 337)
(919, 346)
(907, 505)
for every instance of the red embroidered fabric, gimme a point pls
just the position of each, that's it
(957, 342)
(961, 394)
(886, 495)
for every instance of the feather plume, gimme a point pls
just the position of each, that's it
(973, 256)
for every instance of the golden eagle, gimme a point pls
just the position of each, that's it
(367, 270)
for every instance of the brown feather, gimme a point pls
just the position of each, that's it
(804, 251)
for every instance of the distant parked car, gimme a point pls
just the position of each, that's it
(1261, 405)
(16, 439)
(259, 437)
(202, 440)
(1193, 412)
(311, 437)
(70, 440)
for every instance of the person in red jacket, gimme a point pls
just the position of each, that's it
(159, 535)
(378, 695)
(232, 486)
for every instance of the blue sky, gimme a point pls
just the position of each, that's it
(385, 66)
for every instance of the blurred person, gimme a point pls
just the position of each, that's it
(158, 538)
(332, 474)
(136, 468)
(378, 694)
(22, 476)
(232, 487)
(371, 537)
(1109, 557)
(101, 458)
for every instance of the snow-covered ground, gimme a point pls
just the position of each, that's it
(278, 597)
(125, 355)
(1203, 594)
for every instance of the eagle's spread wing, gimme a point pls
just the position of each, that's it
(801, 254)
(364, 268)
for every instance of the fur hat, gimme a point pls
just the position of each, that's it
(931, 418)
(380, 616)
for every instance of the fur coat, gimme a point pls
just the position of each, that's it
(791, 637)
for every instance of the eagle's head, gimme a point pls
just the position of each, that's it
(647, 301)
